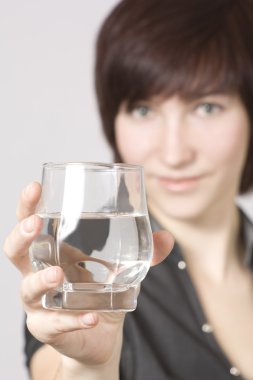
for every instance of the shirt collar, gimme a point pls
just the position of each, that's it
(247, 231)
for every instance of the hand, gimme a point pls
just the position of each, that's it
(91, 338)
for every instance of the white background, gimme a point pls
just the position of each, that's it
(47, 113)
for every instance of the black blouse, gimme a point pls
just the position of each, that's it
(168, 337)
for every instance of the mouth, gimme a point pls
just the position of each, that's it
(178, 185)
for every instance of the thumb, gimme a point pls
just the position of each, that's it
(163, 244)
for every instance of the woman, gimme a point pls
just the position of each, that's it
(174, 83)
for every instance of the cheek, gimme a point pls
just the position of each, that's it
(134, 146)
(127, 150)
(229, 147)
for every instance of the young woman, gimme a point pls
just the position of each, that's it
(174, 83)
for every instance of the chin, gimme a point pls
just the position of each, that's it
(185, 214)
(181, 209)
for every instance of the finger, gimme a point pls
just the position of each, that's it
(37, 284)
(17, 243)
(58, 324)
(28, 200)
(163, 244)
(33, 288)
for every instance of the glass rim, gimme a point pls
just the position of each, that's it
(95, 166)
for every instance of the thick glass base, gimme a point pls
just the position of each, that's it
(104, 299)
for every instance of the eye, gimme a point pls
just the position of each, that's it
(141, 111)
(208, 109)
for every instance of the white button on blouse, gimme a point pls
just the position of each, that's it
(234, 371)
(206, 328)
(181, 264)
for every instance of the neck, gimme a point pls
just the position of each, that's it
(210, 243)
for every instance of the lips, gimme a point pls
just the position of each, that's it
(181, 184)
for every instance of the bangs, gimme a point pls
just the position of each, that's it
(185, 48)
(214, 69)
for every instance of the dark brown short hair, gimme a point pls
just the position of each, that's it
(166, 47)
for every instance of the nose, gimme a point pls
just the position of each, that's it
(177, 149)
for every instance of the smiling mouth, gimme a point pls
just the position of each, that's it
(179, 184)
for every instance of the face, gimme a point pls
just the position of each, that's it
(193, 152)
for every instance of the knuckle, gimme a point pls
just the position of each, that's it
(14, 244)
(19, 207)
(8, 247)
(35, 326)
(24, 297)
(24, 294)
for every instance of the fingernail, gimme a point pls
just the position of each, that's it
(50, 275)
(89, 319)
(28, 224)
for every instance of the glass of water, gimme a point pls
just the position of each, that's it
(96, 228)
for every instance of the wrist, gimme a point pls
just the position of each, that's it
(72, 369)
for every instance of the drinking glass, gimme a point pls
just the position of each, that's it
(96, 228)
